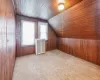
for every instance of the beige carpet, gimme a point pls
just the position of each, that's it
(54, 65)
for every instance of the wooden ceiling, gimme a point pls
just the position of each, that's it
(44, 9)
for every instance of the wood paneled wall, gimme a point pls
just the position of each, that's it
(87, 49)
(25, 50)
(7, 39)
(22, 50)
(80, 21)
(78, 30)
(51, 42)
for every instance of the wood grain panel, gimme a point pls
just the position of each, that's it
(83, 48)
(78, 30)
(22, 50)
(51, 42)
(44, 9)
(7, 39)
(80, 21)
(25, 50)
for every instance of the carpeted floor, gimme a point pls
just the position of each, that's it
(54, 65)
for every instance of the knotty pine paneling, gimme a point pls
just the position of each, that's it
(87, 49)
(7, 39)
(78, 30)
(26, 50)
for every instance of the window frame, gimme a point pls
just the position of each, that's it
(39, 23)
(22, 32)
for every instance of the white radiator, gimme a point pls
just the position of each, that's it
(40, 46)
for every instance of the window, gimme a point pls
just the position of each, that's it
(43, 30)
(28, 33)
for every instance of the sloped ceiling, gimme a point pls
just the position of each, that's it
(80, 21)
(44, 9)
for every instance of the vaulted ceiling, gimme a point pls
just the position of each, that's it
(44, 9)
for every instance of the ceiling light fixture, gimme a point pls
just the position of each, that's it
(61, 5)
